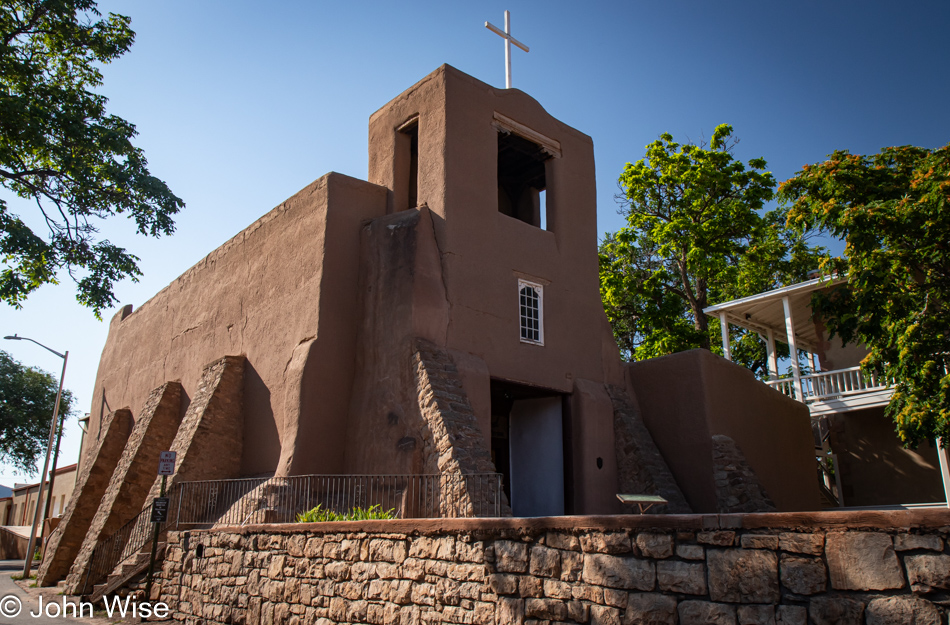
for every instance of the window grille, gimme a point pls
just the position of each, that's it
(530, 297)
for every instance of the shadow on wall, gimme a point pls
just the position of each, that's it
(875, 467)
(261, 435)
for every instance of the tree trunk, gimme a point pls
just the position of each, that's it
(702, 325)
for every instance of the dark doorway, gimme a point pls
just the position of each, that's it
(528, 443)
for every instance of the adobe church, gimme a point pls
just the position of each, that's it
(442, 317)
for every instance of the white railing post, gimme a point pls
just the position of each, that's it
(724, 328)
(793, 349)
(772, 356)
(942, 453)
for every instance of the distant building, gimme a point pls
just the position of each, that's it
(23, 502)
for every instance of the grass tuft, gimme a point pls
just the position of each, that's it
(322, 515)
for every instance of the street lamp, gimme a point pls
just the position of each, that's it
(28, 563)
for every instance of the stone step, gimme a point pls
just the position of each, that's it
(126, 572)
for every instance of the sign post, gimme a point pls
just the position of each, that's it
(166, 467)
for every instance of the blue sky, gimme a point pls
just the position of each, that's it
(239, 105)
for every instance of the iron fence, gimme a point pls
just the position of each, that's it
(281, 499)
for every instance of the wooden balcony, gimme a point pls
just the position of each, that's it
(842, 390)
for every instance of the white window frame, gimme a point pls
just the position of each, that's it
(539, 290)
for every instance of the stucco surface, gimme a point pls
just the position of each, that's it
(467, 264)
(399, 259)
(288, 278)
(876, 468)
(687, 398)
(484, 252)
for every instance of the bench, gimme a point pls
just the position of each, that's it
(642, 500)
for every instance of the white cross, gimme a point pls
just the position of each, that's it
(506, 35)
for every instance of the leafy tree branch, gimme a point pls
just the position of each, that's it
(697, 233)
(60, 148)
(27, 398)
(893, 211)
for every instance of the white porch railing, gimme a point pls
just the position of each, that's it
(831, 384)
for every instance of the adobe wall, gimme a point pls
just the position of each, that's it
(689, 397)
(401, 298)
(473, 258)
(818, 568)
(484, 252)
(288, 279)
(871, 456)
(833, 353)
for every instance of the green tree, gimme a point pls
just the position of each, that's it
(60, 149)
(696, 234)
(27, 398)
(893, 211)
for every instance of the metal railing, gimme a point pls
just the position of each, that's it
(126, 542)
(281, 499)
(831, 384)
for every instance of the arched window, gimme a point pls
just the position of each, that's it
(530, 298)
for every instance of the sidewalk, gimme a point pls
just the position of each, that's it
(15, 594)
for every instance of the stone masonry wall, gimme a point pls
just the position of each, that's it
(154, 429)
(738, 488)
(210, 438)
(452, 442)
(641, 468)
(780, 569)
(98, 467)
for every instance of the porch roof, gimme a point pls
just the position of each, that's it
(765, 311)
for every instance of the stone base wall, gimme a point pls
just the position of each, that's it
(738, 488)
(452, 442)
(123, 499)
(782, 569)
(640, 466)
(98, 466)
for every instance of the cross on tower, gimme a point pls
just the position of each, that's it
(506, 35)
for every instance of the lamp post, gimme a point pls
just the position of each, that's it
(28, 563)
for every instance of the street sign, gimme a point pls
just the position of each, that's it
(159, 509)
(166, 463)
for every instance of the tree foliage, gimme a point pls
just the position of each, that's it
(27, 398)
(60, 149)
(893, 211)
(696, 234)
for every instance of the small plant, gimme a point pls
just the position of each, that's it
(323, 515)
(373, 512)
(19, 577)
